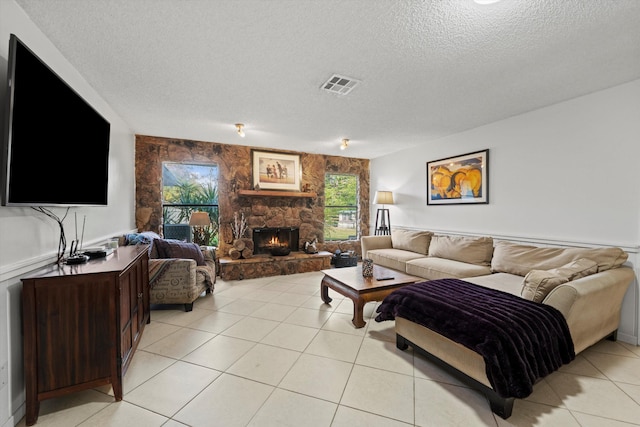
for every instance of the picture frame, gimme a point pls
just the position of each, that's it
(462, 179)
(273, 170)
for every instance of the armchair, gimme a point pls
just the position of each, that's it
(179, 272)
(181, 280)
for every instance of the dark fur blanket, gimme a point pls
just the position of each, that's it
(521, 341)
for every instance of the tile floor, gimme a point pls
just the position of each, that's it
(268, 352)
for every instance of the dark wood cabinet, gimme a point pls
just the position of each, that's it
(82, 324)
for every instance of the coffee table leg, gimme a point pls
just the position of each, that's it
(358, 308)
(324, 292)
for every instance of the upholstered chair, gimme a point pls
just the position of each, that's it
(179, 272)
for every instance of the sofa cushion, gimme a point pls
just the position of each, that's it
(538, 283)
(392, 258)
(474, 250)
(168, 248)
(520, 259)
(432, 268)
(411, 240)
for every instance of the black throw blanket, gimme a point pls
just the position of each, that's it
(521, 341)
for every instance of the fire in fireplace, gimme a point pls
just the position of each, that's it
(275, 241)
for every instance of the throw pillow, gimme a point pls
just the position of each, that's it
(168, 248)
(410, 240)
(469, 249)
(538, 283)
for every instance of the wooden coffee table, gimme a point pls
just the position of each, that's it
(348, 281)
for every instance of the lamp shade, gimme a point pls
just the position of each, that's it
(199, 219)
(383, 198)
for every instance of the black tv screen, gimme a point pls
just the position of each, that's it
(56, 146)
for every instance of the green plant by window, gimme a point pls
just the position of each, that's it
(341, 207)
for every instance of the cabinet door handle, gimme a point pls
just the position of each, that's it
(140, 295)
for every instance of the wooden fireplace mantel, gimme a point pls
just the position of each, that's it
(276, 193)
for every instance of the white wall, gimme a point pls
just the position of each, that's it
(28, 239)
(568, 173)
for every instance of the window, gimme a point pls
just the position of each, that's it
(186, 188)
(341, 207)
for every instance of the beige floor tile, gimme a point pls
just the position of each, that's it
(587, 420)
(172, 388)
(305, 288)
(611, 347)
(544, 394)
(180, 343)
(382, 330)
(335, 345)
(265, 364)
(289, 298)
(124, 414)
(581, 366)
(308, 317)
(155, 331)
(632, 348)
(263, 295)
(380, 392)
(341, 322)
(315, 303)
(229, 401)
(290, 336)
(617, 368)
(594, 396)
(173, 423)
(220, 352)
(213, 302)
(527, 413)
(242, 307)
(144, 365)
(180, 317)
(280, 286)
(284, 408)
(349, 417)
(274, 311)
(318, 377)
(385, 355)
(216, 322)
(70, 410)
(439, 404)
(632, 390)
(251, 329)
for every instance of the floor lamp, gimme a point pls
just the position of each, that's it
(383, 223)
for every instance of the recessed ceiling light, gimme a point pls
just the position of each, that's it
(486, 1)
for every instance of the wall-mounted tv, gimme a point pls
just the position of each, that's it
(55, 148)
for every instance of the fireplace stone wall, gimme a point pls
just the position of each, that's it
(234, 163)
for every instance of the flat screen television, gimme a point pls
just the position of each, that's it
(55, 148)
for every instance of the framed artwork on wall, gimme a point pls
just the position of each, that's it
(459, 180)
(276, 171)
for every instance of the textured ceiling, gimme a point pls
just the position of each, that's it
(191, 69)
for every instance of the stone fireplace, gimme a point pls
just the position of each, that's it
(275, 240)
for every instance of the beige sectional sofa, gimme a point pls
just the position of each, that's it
(586, 285)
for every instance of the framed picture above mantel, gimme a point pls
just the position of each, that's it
(459, 180)
(272, 170)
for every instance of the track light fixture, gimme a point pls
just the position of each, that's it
(344, 144)
(240, 128)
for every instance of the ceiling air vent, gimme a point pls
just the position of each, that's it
(340, 84)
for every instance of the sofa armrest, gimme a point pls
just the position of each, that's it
(374, 242)
(210, 260)
(591, 305)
